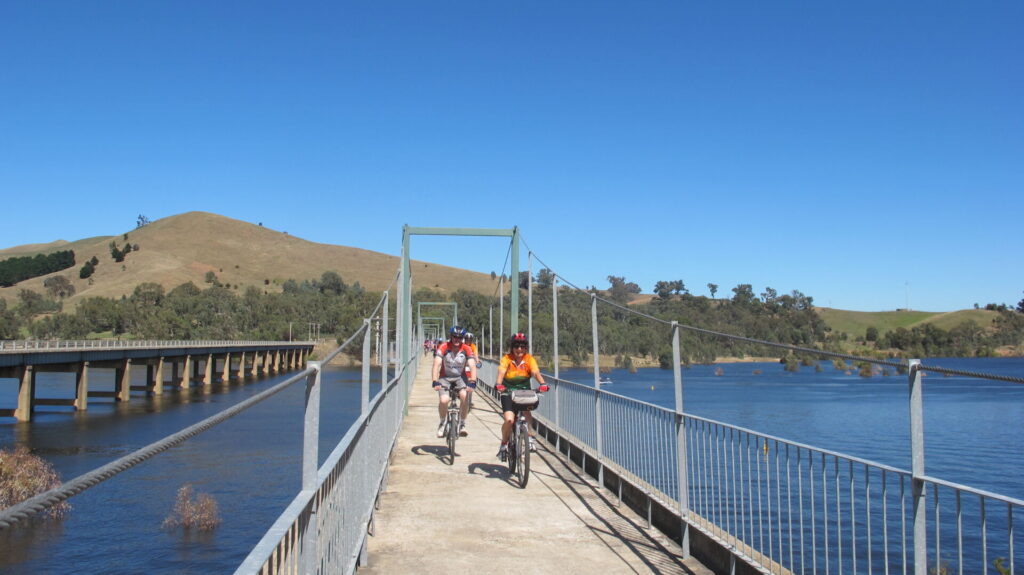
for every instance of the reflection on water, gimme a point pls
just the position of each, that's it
(250, 464)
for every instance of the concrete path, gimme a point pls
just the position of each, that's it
(470, 517)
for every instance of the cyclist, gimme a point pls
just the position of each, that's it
(451, 359)
(514, 372)
(471, 342)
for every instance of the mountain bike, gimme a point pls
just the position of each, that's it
(519, 443)
(452, 423)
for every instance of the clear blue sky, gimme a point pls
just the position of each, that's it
(869, 154)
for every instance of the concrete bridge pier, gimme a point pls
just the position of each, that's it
(208, 370)
(186, 371)
(82, 387)
(26, 394)
(123, 381)
(225, 372)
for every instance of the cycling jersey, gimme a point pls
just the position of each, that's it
(517, 375)
(453, 361)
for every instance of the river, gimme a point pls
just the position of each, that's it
(974, 431)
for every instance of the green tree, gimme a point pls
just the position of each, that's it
(59, 287)
(622, 291)
(871, 334)
(713, 288)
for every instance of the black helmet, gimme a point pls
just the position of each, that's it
(469, 336)
(518, 339)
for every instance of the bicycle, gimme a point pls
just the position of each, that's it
(452, 423)
(519, 443)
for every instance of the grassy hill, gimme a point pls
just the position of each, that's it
(183, 248)
(856, 323)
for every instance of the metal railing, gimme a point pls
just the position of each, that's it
(45, 344)
(778, 505)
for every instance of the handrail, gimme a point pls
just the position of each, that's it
(9, 346)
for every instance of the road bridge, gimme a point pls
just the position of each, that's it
(179, 363)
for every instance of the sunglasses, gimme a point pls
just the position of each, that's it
(520, 346)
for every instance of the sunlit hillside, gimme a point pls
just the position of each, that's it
(185, 247)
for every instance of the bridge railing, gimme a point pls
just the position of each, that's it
(777, 505)
(44, 344)
(325, 527)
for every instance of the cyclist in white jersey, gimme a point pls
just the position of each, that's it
(451, 360)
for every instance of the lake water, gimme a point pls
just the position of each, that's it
(974, 431)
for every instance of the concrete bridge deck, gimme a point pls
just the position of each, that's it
(471, 517)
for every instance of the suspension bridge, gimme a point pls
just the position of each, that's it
(621, 485)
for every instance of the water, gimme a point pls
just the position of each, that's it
(251, 464)
(974, 429)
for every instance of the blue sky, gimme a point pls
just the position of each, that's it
(868, 154)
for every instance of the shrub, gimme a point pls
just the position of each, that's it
(23, 475)
(192, 511)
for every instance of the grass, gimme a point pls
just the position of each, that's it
(23, 475)
(856, 323)
(193, 511)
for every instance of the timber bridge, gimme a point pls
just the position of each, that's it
(620, 485)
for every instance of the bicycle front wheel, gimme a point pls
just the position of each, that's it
(523, 454)
(453, 434)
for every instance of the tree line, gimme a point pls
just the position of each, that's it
(220, 312)
(14, 270)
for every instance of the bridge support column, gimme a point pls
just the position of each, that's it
(186, 371)
(225, 372)
(208, 370)
(123, 380)
(158, 377)
(26, 394)
(277, 361)
(240, 374)
(82, 387)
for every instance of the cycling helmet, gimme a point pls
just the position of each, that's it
(456, 331)
(469, 336)
(518, 339)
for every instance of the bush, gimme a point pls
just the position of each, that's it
(191, 511)
(23, 475)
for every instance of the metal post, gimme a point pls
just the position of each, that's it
(597, 393)
(384, 345)
(682, 465)
(529, 299)
(490, 332)
(554, 356)
(310, 441)
(501, 317)
(365, 405)
(514, 301)
(917, 468)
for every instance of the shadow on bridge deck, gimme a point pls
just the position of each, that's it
(471, 516)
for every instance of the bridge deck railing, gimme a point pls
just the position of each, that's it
(13, 345)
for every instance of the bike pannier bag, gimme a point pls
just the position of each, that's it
(525, 398)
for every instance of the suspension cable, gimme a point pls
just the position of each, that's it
(900, 364)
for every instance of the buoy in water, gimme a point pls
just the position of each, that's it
(652, 388)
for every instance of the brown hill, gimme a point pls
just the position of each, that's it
(183, 248)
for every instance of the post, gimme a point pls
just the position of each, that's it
(682, 464)
(310, 459)
(490, 332)
(501, 317)
(26, 394)
(597, 393)
(82, 387)
(364, 405)
(384, 344)
(208, 370)
(917, 468)
(554, 357)
(514, 300)
(124, 381)
(158, 377)
(529, 299)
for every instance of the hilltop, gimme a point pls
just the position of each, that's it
(856, 323)
(183, 248)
